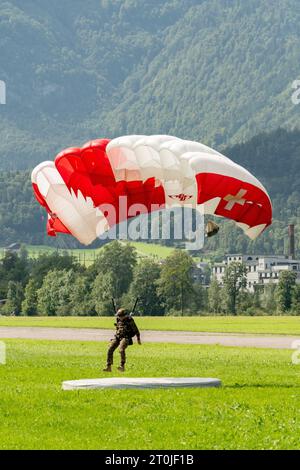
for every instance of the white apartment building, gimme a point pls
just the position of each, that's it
(261, 270)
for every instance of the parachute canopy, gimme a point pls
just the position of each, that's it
(151, 173)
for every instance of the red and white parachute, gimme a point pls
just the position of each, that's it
(150, 171)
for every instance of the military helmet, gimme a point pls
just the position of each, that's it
(121, 312)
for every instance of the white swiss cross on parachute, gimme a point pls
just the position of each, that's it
(237, 199)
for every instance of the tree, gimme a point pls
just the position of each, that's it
(54, 295)
(145, 286)
(15, 295)
(176, 283)
(284, 292)
(215, 297)
(296, 300)
(29, 304)
(102, 292)
(198, 300)
(12, 268)
(23, 253)
(235, 281)
(53, 262)
(64, 293)
(118, 261)
(48, 294)
(79, 295)
(268, 298)
(248, 303)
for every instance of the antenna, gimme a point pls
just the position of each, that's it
(114, 305)
(136, 302)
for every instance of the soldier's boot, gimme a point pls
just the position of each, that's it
(107, 369)
(121, 368)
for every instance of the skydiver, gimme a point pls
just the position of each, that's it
(126, 329)
(211, 229)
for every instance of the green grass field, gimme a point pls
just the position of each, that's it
(84, 256)
(148, 249)
(257, 407)
(87, 256)
(283, 325)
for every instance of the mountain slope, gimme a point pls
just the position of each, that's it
(217, 71)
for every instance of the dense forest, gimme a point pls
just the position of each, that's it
(55, 284)
(274, 158)
(217, 71)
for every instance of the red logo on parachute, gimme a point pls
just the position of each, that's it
(181, 197)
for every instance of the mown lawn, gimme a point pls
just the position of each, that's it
(257, 407)
(283, 325)
(87, 256)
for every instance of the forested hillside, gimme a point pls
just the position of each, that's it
(217, 71)
(273, 157)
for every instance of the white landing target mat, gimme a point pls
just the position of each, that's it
(157, 382)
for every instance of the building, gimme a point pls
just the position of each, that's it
(201, 273)
(261, 269)
(13, 248)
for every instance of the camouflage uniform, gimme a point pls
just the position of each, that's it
(126, 329)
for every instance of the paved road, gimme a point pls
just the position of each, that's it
(179, 337)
